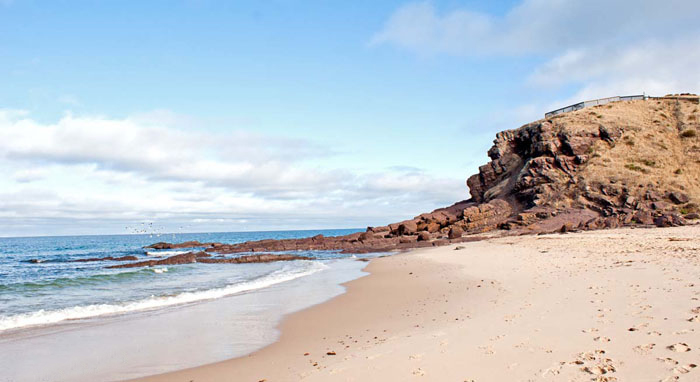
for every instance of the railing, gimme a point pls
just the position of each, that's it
(595, 102)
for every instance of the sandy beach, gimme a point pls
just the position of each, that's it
(614, 305)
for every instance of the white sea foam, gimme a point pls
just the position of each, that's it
(43, 317)
(160, 270)
(165, 253)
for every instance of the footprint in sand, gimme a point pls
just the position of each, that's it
(695, 318)
(696, 310)
(654, 333)
(596, 364)
(643, 349)
(638, 327)
(679, 347)
(600, 369)
(487, 349)
(602, 339)
(551, 371)
(591, 330)
(419, 372)
(684, 331)
(684, 369)
(668, 361)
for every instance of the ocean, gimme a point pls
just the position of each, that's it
(49, 303)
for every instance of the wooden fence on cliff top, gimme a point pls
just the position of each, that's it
(602, 101)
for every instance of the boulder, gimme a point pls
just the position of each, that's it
(423, 236)
(455, 232)
(366, 236)
(668, 220)
(432, 227)
(659, 206)
(407, 228)
(378, 229)
(567, 227)
(643, 217)
(678, 197)
(407, 239)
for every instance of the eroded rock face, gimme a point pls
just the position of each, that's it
(534, 164)
(485, 216)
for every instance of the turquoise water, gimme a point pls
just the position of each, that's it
(40, 285)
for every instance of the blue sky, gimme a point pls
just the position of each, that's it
(228, 116)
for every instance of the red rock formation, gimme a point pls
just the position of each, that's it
(203, 257)
(108, 258)
(187, 244)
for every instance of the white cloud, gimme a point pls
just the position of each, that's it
(28, 175)
(657, 67)
(85, 172)
(241, 160)
(534, 26)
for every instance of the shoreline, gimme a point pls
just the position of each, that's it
(142, 343)
(594, 305)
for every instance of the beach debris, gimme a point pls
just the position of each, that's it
(330, 353)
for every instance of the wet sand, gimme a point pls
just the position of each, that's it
(593, 306)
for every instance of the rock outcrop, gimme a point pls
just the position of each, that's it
(203, 257)
(187, 244)
(108, 258)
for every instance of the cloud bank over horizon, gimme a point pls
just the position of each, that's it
(118, 173)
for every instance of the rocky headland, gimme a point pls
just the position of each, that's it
(632, 163)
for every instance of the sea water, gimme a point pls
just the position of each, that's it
(129, 322)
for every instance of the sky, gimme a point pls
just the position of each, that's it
(197, 116)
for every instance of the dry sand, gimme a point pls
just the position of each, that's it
(616, 305)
